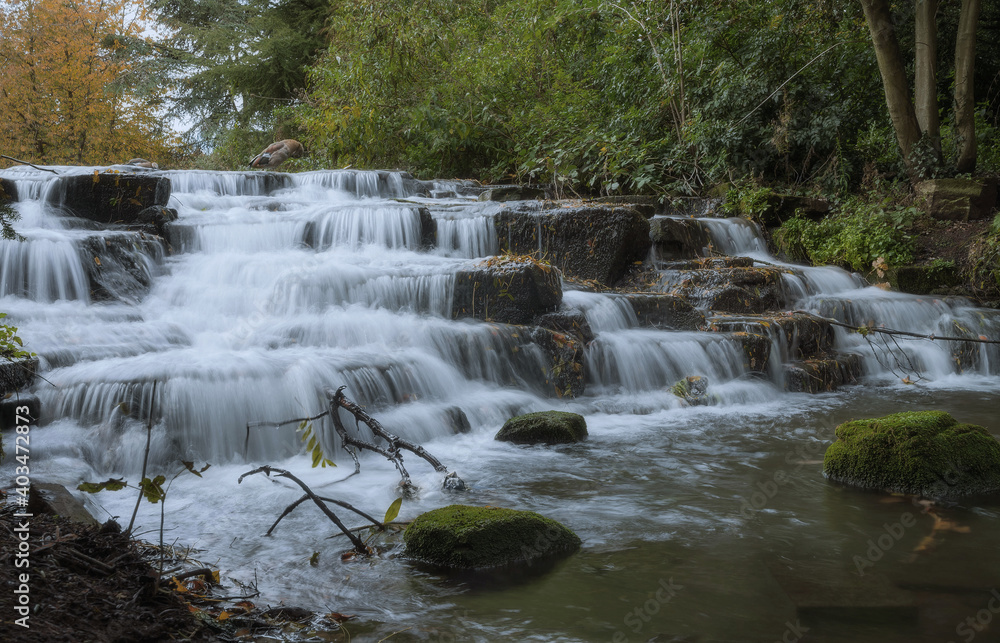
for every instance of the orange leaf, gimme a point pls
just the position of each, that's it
(223, 615)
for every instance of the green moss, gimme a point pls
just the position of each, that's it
(923, 452)
(545, 427)
(467, 537)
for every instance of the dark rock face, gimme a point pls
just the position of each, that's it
(958, 199)
(109, 198)
(10, 406)
(428, 229)
(599, 243)
(782, 207)
(504, 193)
(154, 220)
(8, 191)
(677, 239)
(545, 427)
(819, 375)
(666, 312)
(924, 452)
(463, 537)
(511, 291)
(568, 322)
(564, 371)
(120, 266)
(17, 375)
(756, 349)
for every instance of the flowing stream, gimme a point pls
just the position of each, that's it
(269, 297)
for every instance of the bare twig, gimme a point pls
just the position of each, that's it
(341, 503)
(145, 459)
(359, 545)
(890, 331)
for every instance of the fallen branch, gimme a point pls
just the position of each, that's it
(359, 545)
(11, 158)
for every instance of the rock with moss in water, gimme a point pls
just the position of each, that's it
(693, 390)
(923, 452)
(464, 537)
(545, 427)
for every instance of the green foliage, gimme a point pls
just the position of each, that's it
(855, 236)
(392, 511)
(747, 199)
(112, 484)
(313, 447)
(11, 345)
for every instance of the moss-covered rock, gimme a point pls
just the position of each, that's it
(923, 452)
(545, 427)
(507, 289)
(823, 374)
(693, 389)
(464, 537)
(958, 199)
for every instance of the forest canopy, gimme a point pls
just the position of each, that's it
(588, 96)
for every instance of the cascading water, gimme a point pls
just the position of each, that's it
(280, 286)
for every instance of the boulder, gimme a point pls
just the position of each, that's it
(598, 243)
(919, 452)
(504, 193)
(646, 205)
(507, 290)
(819, 375)
(544, 427)
(693, 389)
(109, 197)
(154, 220)
(666, 312)
(464, 537)
(935, 277)
(55, 500)
(958, 199)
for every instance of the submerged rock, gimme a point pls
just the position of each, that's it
(599, 242)
(544, 427)
(464, 537)
(507, 290)
(922, 452)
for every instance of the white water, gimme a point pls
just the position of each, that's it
(271, 298)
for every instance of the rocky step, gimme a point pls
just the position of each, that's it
(732, 290)
(826, 374)
(667, 312)
(796, 336)
(599, 243)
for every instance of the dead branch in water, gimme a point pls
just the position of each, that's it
(864, 330)
(359, 545)
(290, 508)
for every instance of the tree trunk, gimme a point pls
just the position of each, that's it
(890, 66)
(965, 103)
(925, 74)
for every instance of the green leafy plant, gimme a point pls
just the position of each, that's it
(11, 345)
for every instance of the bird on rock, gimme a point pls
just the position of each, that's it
(143, 163)
(276, 153)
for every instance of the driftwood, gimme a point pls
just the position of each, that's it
(290, 508)
(359, 545)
